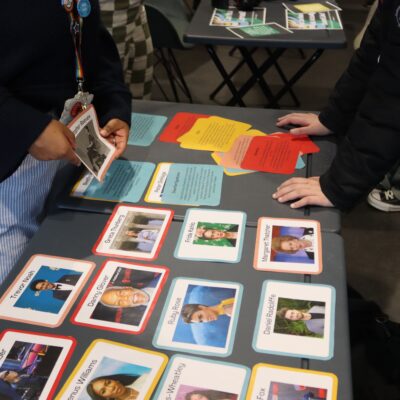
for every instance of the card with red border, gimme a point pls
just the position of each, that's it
(268, 154)
(34, 361)
(45, 289)
(181, 123)
(122, 297)
(134, 232)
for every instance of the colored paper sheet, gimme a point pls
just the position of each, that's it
(213, 134)
(230, 171)
(271, 155)
(124, 181)
(181, 123)
(307, 146)
(193, 184)
(144, 128)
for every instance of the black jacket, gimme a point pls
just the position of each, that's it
(364, 110)
(37, 73)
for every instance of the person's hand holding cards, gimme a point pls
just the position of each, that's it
(116, 132)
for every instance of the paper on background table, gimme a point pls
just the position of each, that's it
(125, 181)
(311, 7)
(271, 155)
(213, 134)
(196, 184)
(181, 123)
(144, 128)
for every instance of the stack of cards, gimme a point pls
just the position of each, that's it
(200, 316)
(270, 382)
(186, 184)
(45, 290)
(312, 16)
(296, 319)
(113, 370)
(31, 364)
(190, 378)
(288, 245)
(211, 235)
(134, 232)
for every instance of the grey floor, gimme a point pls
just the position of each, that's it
(371, 237)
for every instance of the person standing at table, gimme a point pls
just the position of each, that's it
(66, 53)
(364, 112)
(126, 20)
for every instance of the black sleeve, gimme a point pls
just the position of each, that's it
(372, 144)
(352, 86)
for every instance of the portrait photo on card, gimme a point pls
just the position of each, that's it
(211, 235)
(192, 378)
(31, 364)
(95, 152)
(45, 290)
(272, 382)
(109, 370)
(295, 319)
(200, 316)
(121, 297)
(134, 232)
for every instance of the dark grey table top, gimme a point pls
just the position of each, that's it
(251, 193)
(200, 32)
(72, 234)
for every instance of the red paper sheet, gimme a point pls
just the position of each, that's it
(268, 154)
(307, 146)
(181, 123)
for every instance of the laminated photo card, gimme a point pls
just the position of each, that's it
(192, 378)
(211, 235)
(45, 290)
(296, 320)
(112, 370)
(121, 297)
(31, 364)
(199, 316)
(273, 382)
(288, 245)
(134, 232)
(95, 152)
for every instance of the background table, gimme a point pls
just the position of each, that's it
(200, 32)
(72, 234)
(251, 193)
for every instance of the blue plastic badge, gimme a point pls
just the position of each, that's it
(84, 8)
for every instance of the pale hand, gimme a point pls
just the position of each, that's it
(309, 124)
(306, 192)
(117, 133)
(56, 142)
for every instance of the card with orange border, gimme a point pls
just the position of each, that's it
(121, 297)
(140, 370)
(288, 245)
(45, 290)
(134, 232)
(274, 382)
(34, 360)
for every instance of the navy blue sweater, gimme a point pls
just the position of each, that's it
(37, 73)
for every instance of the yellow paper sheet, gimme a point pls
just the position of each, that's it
(213, 134)
(311, 7)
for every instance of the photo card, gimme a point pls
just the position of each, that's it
(121, 297)
(193, 378)
(232, 17)
(270, 382)
(31, 364)
(211, 235)
(260, 31)
(95, 152)
(134, 232)
(109, 368)
(296, 320)
(45, 290)
(288, 245)
(200, 316)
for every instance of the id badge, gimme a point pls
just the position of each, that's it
(72, 107)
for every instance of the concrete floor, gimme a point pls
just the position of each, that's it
(371, 237)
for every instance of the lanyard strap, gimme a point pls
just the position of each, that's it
(76, 25)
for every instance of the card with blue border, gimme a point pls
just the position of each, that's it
(296, 319)
(200, 316)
